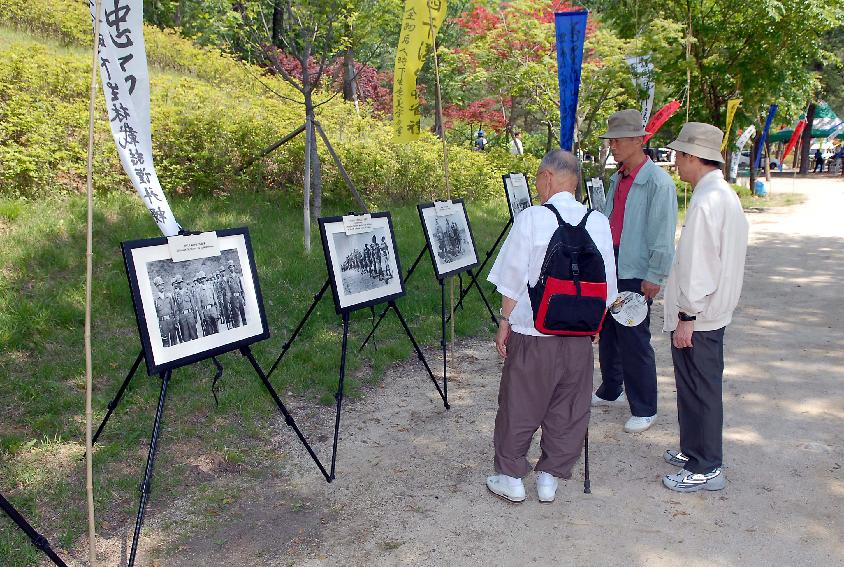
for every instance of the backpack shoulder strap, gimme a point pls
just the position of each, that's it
(560, 220)
(582, 223)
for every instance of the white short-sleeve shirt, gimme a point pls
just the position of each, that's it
(520, 259)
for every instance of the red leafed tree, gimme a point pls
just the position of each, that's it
(372, 85)
(508, 56)
(484, 113)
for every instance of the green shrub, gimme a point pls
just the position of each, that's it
(210, 116)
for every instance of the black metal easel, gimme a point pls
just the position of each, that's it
(445, 319)
(338, 396)
(474, 281)
(146, 483)
(35, 538)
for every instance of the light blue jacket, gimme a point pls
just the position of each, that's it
(646, 250)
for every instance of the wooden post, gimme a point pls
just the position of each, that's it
(309, 130)
(89, 268)
(339, 165)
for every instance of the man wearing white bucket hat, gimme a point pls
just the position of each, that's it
(642, 208)
(702, 291)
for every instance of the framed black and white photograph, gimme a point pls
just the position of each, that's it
(449, 236)
(518, 193)
(197, 308)
(360, 254)
(595, 191)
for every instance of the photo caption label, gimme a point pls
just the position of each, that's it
(357, 224)
(193, 246)
(445, 208)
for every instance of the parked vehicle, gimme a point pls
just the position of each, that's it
(744, 161)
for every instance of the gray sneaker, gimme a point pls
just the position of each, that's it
(676, 458)
(685, 481)
(598, 401)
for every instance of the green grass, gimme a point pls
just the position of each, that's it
(42, 266)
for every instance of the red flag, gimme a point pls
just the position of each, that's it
(794, 137)
(659, 118)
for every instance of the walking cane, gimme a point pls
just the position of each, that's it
(587, 486)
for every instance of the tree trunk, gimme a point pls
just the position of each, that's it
(728, 164)
(316, 178)
(177, 19)
(753, 154)
(549, 139)
(349, 86)
(806, 140)
(767, 160)
(438, 125)
(278, 22)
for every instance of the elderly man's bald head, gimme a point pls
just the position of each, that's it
(562, 171)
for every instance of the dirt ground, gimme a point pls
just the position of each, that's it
(410, 475)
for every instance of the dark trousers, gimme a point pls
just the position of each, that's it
(627, 358)
(546, 382)
(699, 371)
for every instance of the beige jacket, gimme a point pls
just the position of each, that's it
(708, 270)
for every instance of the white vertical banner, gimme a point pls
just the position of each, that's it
(125, 80)
(740, 143)
(642, 70)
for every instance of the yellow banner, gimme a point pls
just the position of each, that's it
(420, 23)
(732, 106)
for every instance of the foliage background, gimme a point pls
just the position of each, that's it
(210, 115)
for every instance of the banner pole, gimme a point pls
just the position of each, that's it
(445, 161)
(89, 255)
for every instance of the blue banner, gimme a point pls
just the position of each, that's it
(772, 111)
(571, 32)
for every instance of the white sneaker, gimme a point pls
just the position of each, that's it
(637, 424)
(507, 487)
(621, 400)
(546, 486)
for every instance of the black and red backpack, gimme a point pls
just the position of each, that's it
(570, 296)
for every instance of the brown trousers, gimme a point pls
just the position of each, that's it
(546, 382)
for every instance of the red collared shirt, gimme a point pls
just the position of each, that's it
(625, 182)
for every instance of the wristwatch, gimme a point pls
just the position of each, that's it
(685, 317)
(501, 314)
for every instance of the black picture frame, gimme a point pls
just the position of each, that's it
(357, 278)
(456, 226)
(518, 196)
(195, 331)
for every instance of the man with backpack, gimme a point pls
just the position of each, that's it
(642, 208)
(700, 296)
(546, 380)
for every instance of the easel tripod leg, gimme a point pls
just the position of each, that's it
(339, 395)
(384, 312)
(113, 403)
(488, 256)
(419, 353)
(35, 538)
(286, 346)
(443, 341)
(483, 296)
(145, 484)
(473, 281)
(288, 419)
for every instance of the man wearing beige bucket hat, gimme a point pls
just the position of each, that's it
(642, 208)
(700, 296)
